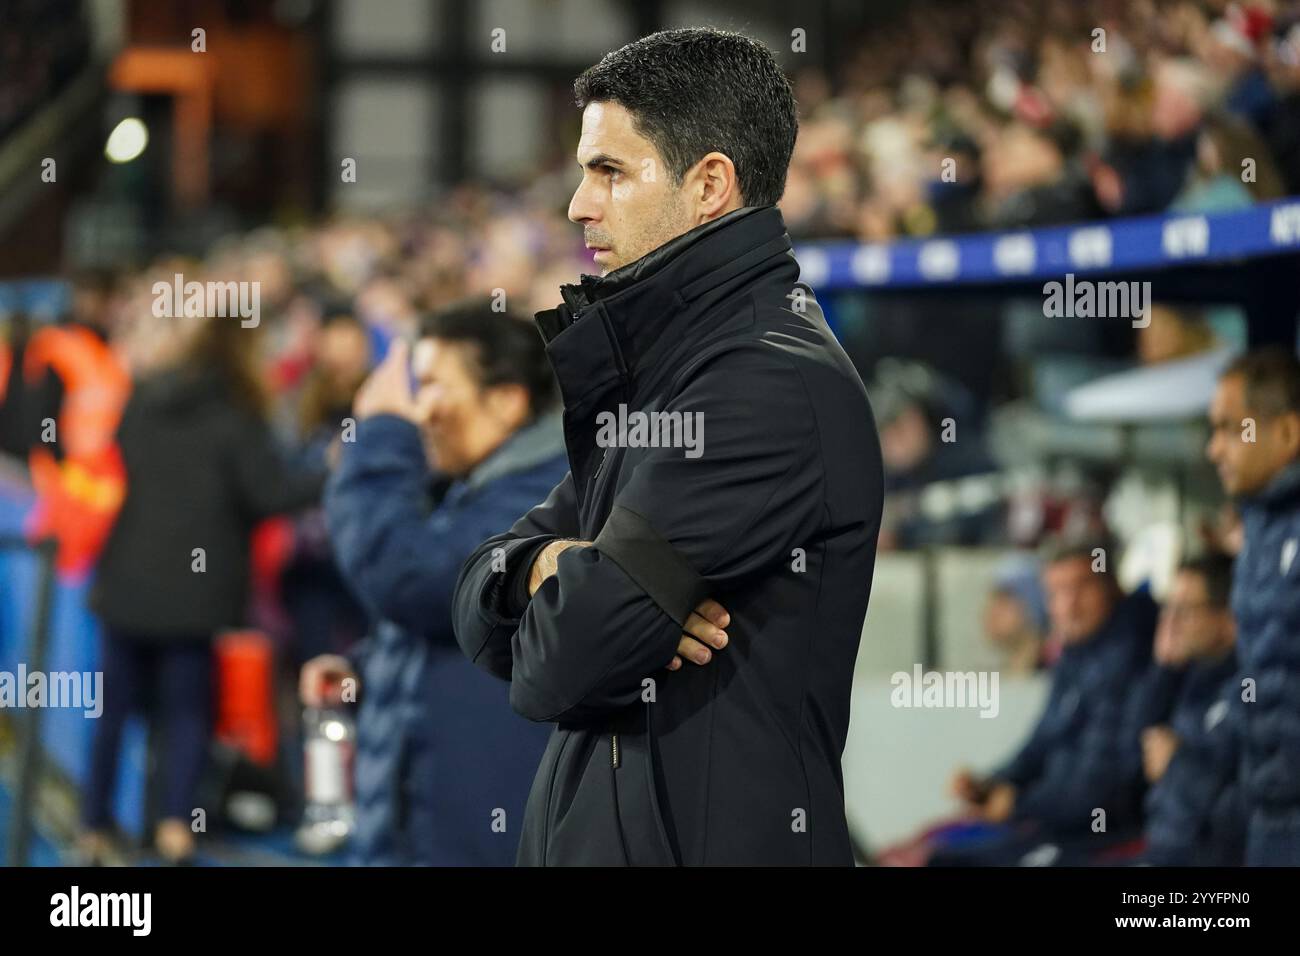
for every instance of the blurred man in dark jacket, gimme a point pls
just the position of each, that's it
(443, 765)
(1255, 444)
(724, 473)
(1074, 763)
(1193, 809)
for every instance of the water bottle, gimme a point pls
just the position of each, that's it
(329, 741)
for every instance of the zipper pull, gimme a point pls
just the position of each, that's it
(613, 750)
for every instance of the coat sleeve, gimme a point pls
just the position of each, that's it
(684, 526)
(265, 484)
(400, 561)
(1151, 703)
(1067, 794)
(492, 590)
(1027, 763)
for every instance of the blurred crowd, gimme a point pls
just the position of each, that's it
(999, 115)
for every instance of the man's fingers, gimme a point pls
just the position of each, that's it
(692, 650)
(396, 352)
(714, 612)
(705, 631)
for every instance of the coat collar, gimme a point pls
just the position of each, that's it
(617, 325)
(531, 445)
(1281, 490)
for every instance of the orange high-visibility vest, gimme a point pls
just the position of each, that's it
(6, 360)
(77, 499)
(95, 385)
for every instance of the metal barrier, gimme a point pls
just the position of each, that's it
(29, 727)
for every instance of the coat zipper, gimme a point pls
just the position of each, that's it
(595, 476)
(613, 750)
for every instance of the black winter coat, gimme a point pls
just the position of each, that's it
(776, 517)
(1194, 812)
(1266, 605)
(1081, 753)
(200, 473)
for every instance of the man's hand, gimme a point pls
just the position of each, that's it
(967, 787)
(704, 626)
(544, 565)
(999, 803)
(1158, 746)
(388, 389)
(704, 629)
(325, 669)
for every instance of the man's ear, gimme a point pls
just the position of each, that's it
(1289, 432)
(715, 190)
(508, 404)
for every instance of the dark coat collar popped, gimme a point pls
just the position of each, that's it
(618, 325)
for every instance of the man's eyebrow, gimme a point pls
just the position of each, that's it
(601, 159)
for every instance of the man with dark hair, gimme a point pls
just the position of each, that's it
(1074, 763)
(667, 122)
(1255, 444)
(442, 766)
(1193, 810)
(724, 474)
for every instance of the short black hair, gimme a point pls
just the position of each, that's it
(1272, 378)
(507, 347)
(1216, 571)
(693, 92)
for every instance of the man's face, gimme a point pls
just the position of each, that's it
(1079, 600)
(1245, 466)
(343, 353)
(1004, 618)
(1191, 627)
(906, 442)
(461, 422)
(626, 203)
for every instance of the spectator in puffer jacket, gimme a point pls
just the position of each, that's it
(443, 764)
(1074, 763)
(1255, 444)
(1193, 809)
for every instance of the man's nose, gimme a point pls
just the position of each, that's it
(582, 209)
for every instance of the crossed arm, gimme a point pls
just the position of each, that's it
(575, 626)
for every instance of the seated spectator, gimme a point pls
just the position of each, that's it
(1234, 55)
(1029, 181)
(1069, 783)
(1015, 617)
(1150, 162)
(1216, 182)
(1194, 815)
